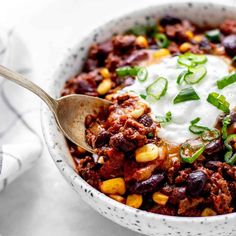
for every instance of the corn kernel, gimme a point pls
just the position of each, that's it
(185, 47)
(113, 186)
(137, 113)
(189, 34)
(208, 212)
(161, 53)
(142, 41)
(148, 152)
(118, 198)
(101, 160)
(105, 73)
(134, 200)
(197, 38)
(104, 86)
(81, 150)
(160, 198)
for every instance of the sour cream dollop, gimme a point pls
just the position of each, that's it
(177, 131)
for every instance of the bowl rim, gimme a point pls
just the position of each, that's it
(70, 174)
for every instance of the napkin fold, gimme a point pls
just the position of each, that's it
(20, 143)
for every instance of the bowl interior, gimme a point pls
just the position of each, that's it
(201, 13)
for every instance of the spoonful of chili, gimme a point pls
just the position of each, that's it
(69, 111)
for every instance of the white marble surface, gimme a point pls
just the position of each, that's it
(40, 202)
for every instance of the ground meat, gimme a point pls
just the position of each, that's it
(228, 27)
(220, 194)
(135, 58)
(100, 51)
(178, 31)
(163, 210)
(123, 43)
(113, 61)
(84, 83)
(86, 169)
(113, 167)
(188, 206)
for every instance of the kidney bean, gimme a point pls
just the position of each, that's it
(90, 65)
(135, 58)
(102, 139)
(146, 120)
(213, 148)
(229, 43)
(195, 183)
(213, 165)
(119, 142)
(169, 20)
(232, 116)
(149, 185)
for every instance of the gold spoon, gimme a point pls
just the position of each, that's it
(69, 111)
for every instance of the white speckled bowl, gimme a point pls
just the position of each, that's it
(140, 221)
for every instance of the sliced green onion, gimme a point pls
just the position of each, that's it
(218, 101)
(226, 123)
(195, 121)
(164, 119)
(209, 135)
(230, 156)
(227, 80)
(197, 129)
(189, 153)
(128, 70)
(142, 74)
(182, 76)
(195, 74)
(150, 135)
(143, 96)
(162, 40)
(206, 133)
(148, 30)
(186, 94)
(213, 35)
(158, 88)
(190, 60)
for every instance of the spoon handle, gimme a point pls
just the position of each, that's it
(22, 81)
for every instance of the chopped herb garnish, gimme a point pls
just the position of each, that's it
(128, 70)
(226, 123)
(213, 35)
(230, 156)
(197, 129)
(164, 119)
(189, 153)
(143, 96)
(158, 88)
(211, 134)
(218, 101)
(227, 80)
(148, 30)
(150, 135)
(186, 94)
(162, 40)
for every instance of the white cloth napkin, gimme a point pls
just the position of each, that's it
(20, 144)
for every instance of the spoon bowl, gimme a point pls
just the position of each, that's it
(69, 111)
